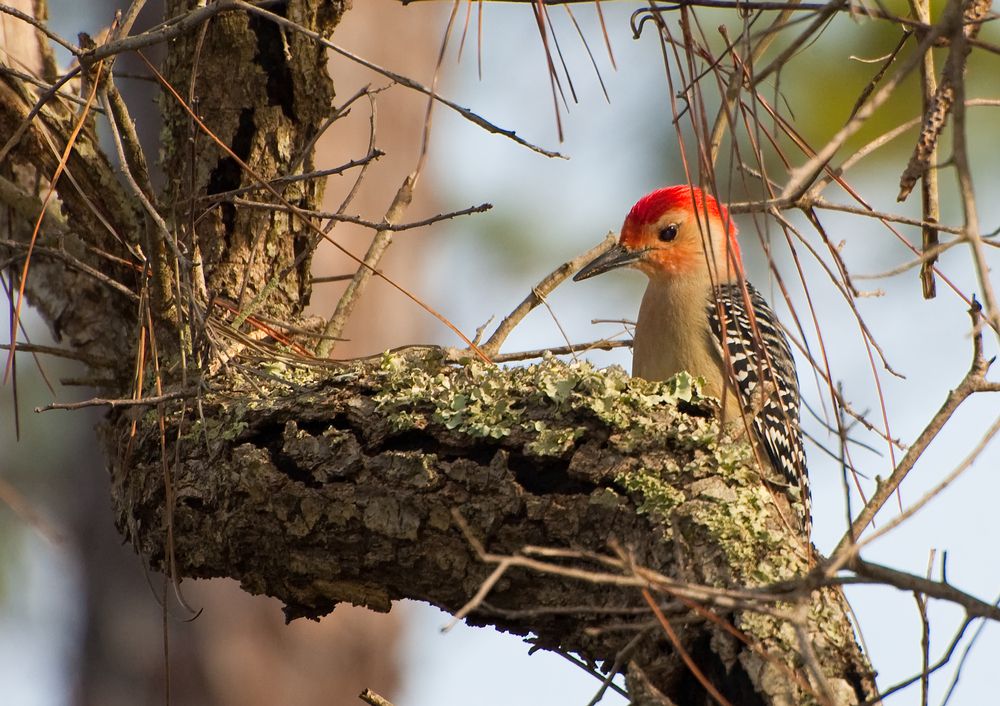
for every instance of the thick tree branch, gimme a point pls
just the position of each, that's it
(343, 487)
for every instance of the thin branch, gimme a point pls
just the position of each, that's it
(540, 291)
(925, 637)
(939, 487)
(373, 699)
(944, 659)
(91, 360)
(79, 265)
(960, 153)
(123, 402)
(357, 220)
(331, 278)
(28, 78)
(965, 654)
(604, 344)
(620, 660)
(380, 243)
(877, 573)
(294, 178)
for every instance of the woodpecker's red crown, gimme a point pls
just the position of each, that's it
(682, 197)
(676, 231)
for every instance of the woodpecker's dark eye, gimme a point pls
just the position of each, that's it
(668, 233)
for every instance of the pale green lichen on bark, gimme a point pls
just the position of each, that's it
(657, 489)
(488, 401)
(711, 475)
(552, 442)
(712, 480)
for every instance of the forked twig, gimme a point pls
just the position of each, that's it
(539, 292)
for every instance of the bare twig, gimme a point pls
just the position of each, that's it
(604, 344)
(330, 278)
(620, 661)
(124, 402)
(925, 637)
(357, 220)
(876, 573)
(940, 486)
(539, 292)
(293, 178)
(965, 654)
(76, 264)
(130, 156)
(383, 238)
(960, 153)
(91, 360)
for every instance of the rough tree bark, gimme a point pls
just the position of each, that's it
(324, 484)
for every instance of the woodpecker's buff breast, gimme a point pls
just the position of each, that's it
(701, 316)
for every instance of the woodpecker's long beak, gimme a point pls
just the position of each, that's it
(617, 256)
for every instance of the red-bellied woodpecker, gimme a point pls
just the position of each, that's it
(700, 315)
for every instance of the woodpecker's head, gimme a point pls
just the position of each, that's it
(676, 232)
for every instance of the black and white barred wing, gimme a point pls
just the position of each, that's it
(756, 353)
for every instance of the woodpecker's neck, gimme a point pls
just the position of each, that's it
(724, 262)
(672, 332)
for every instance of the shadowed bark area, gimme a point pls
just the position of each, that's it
(341, 486)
